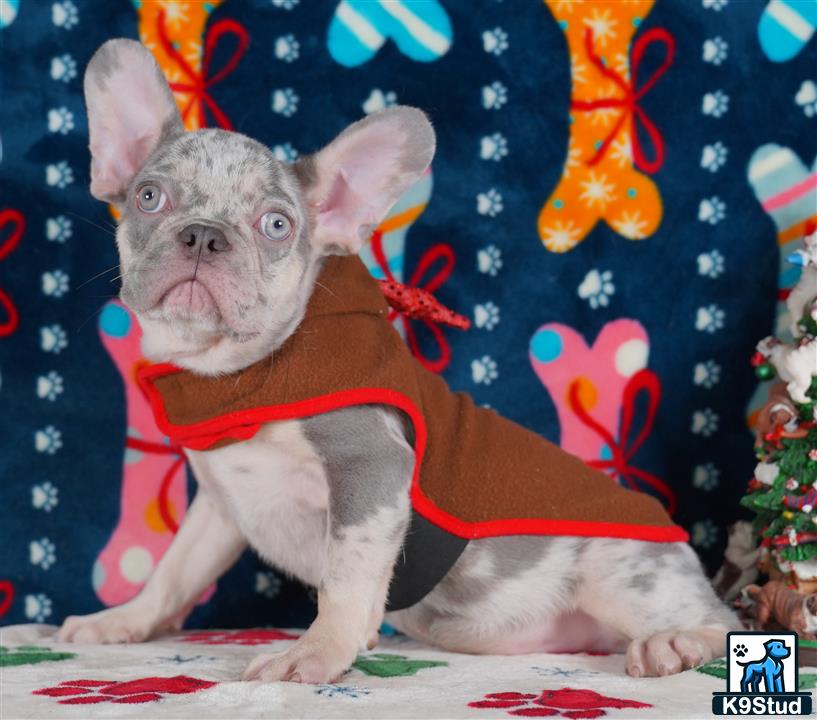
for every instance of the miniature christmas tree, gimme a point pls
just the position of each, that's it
(783, 492)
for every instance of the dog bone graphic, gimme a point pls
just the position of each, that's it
(600, 180)
(154, 483)
(785, 28)
(560, 357)
(359, 28)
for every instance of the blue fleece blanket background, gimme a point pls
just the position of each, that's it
(691, 299)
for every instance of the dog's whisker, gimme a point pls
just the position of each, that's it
(98, 275)
(109, 230)
(90, 317)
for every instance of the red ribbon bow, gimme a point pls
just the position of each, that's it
(163, 501)
(412, 300)
(199, 83)
(643, 381)
(779, 433)
(18, 226)
(632, 97)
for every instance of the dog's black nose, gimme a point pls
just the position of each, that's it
(202, 238)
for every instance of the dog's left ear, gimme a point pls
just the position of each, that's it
(352, 183)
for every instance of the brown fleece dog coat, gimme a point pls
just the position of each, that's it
(476, 474)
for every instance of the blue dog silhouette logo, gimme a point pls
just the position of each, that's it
(766, 674)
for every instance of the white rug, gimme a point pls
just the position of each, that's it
(194, 675)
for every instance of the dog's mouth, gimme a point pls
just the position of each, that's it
(189, 298)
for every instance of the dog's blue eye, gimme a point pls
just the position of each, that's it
(276, 226)
(150, 198)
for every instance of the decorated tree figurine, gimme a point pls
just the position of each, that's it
(783, 491)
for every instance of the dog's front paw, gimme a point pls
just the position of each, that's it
(310, 660)
(124, 624)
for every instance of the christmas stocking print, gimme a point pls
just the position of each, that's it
(787, 190)
(600, 180)
(594, 389)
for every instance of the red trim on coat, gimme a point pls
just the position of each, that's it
(244, 424)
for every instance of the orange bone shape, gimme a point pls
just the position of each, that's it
(600, 179)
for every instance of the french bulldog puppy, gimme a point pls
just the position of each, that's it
(220, 247)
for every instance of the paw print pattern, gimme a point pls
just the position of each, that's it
(493, 147)
(704, 534)
(715, 104)
(713, 157)
(710, 319)
(48, 440)
(284, 102)
(705, 422)
(49, 386)
(806, 98)
(44, 497)
(711, 264)
(37, 607)
(706, 374)
(706, 477)
(741, 650)
(486, 316)
(490, 203)
(285, 4)
(64, 14)
(495, 41)
(285, 153)
(494, 96)
(42, 553)
(58, 229)
(489, 260)
(597, 288)
(379, 100)
(287, 48)
(60, 120)
(63, 68)
(267, 583)
(712, 210)
(59, 175)
(53, 339)
(715, 50)
(484, 370)
(55, 283)
(716, 5)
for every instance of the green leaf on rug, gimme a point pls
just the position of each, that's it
(716, 668)
(30, 655)
(388, 665)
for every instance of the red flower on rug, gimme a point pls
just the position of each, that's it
(565, 702)
(143, 690)
(237, 637)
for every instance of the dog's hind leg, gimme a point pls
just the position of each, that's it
(657, 595)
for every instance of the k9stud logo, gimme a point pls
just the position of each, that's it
(761, 676)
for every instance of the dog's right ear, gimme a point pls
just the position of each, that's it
(130, 110)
